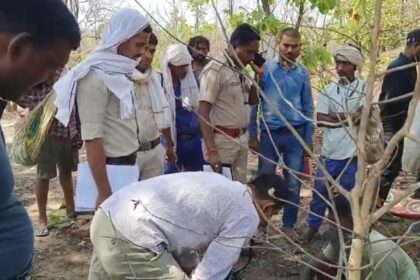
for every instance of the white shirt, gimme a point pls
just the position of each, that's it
(189, 214)
(337, 144)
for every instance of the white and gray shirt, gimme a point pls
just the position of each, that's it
(189, 214)
(338, 143)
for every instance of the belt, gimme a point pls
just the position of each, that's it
(232, 132)
(147, 146)
(184, 136)
(285, 129)
(124, 160)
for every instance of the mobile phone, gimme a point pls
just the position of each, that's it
(259, 60)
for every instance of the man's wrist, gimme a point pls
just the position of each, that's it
(211, 149)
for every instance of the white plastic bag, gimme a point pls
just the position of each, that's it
(411, 152)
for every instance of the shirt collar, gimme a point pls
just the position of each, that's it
(230, 61)
(293, 67)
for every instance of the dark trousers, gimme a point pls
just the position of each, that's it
(189, 153)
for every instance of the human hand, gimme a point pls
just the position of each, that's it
(214, 160)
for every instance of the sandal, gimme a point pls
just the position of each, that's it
(42, 231)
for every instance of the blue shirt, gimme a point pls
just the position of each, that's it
(16, 233)
(186, 121)
(285, 89)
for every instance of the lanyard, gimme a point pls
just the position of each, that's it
(351, 93)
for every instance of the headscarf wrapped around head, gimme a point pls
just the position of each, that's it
(350, 54)
(178, 55)
(113, 70)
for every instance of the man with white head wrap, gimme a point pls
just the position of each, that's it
(338, 102)
(104, 91)
(181, 88)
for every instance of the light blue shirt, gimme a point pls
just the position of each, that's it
(287, 91)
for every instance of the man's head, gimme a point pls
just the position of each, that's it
(413, 44)
(270, 190)
(178, 59)
(347, 59)
(343, 208)
(179, 72)
(127, 33)
(245, 41)
(199, 47)
(289, 44)
(36, 38)
(147, 57)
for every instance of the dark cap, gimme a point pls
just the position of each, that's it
(413, 37)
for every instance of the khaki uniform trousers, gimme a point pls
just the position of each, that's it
(230, 152)
(116, 258)
(151, 163)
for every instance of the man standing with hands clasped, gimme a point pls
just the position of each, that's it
(338, 101)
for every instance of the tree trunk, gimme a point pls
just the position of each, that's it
(300, 16)
(361, 206)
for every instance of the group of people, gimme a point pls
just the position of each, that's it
(194, 110)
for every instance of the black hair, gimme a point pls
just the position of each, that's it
(197, 40)
(45, 21)
(290, 32)
(147, 29)
(413, 37)
(342, 207)
(153, 40)
(243, 35)
(268, 185)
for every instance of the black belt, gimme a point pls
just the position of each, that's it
(124, 160)
(150, 145)
(185, 136)
(286, 130)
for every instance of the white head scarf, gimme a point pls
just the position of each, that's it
(350, 54)
(113, 69)
(178, 55)
(151, 83)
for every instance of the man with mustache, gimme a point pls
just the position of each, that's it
(287, 89)
(337, 102)
(199, 47)
(36, 38)
(103, 90)
(155, 116)
(225, 96)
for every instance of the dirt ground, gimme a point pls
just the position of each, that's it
(65, 253)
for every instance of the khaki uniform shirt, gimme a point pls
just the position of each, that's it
(148, 128)
(99, 112)
(223, 87)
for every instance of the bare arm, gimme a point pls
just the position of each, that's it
(208, 135)
(207, 131)
(97, 162)
(170, 153)
(168, 136)
(336, 120)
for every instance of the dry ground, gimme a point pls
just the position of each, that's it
(65, 253)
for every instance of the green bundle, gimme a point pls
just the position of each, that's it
(30, 137)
